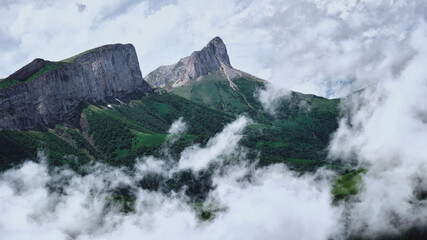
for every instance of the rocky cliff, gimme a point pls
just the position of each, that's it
(51, 92)
(212, 57)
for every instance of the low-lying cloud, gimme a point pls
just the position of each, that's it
(251, 203)
(223, 145)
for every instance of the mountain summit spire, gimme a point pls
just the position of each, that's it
(218, 48)
(209, 59)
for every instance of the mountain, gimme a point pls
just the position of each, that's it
(45, 93)
(96, 106)
(207, 77)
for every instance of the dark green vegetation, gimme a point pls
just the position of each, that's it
(348, 184)
(19, 145)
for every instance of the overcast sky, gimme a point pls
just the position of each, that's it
(329, 48)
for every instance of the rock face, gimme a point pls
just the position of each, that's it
(54, 96)
(212, 57)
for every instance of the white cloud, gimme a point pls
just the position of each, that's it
(385, 129)
(333, 48)
(223, 145)
(272, 96)
(177, 128)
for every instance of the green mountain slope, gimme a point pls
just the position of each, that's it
(297, 134)
(215, 92)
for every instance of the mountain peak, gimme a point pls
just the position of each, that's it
(212, 57)
(216, 40)
(218, 48)
(215, 49)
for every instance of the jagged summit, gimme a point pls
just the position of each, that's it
(211, 58)
(215, 51)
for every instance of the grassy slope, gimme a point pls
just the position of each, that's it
(215, 92)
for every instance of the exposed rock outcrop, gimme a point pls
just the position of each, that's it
(54, 96)
(212, 57)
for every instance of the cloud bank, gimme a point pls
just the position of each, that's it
(385, 129)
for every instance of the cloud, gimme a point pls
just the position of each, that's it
(384, 128)
(250, 203)
(223, 145)
(271, 97)
(278, 205)
(299, 202)
(177, 128)
(334, 48)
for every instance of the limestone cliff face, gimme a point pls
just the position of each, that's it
(106, 72)
(211, 58)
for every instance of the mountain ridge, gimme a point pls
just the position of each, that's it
(50, 92)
